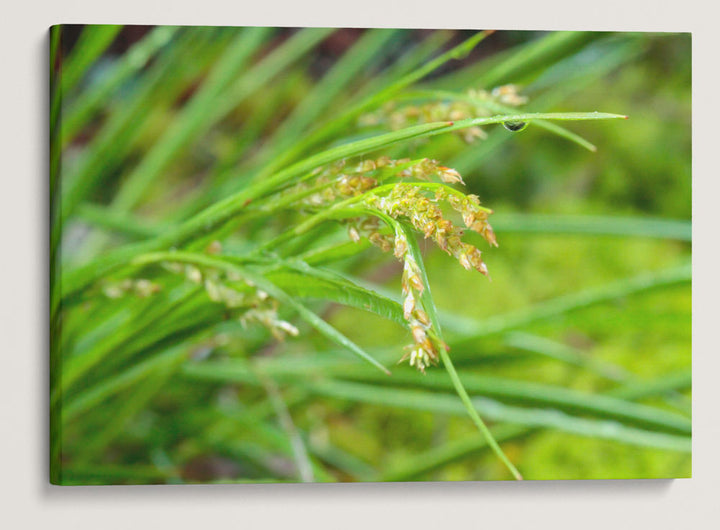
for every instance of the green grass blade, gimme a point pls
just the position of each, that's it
(54, 55)
(574, 75)
(540, 395)
(297, 445)
(82, 109)
(93, 41)
(521, 64)
(563, 353)
(574, 301)
(238, 371)
(680, 380)
(308, 282)
(318, 323)
(194, 119)
(141, 331)
(119, 223)
(530, 417)
(262, 73)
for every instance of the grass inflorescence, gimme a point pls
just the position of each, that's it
(215, 199)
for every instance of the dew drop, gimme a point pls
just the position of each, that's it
(515, 126)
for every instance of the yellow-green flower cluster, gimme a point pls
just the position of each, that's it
(473, 105)
(235, 292)
(141, 287)
(411, 203)
(330, 190)
(365, 186)
(424, 350)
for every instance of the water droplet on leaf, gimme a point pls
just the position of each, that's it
(515, 126)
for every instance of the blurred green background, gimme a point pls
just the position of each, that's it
(580, 299)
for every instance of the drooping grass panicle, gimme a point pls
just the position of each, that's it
(409, 196)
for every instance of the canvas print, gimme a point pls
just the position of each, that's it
(368, 255)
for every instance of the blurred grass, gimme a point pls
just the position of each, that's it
(578, 353)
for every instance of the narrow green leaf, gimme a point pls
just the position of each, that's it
(593, 225)
(336, 289)
(530, 417)
(540, 395)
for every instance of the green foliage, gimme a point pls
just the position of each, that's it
(220, 309)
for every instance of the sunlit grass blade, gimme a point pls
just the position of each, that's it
(308, 282)
(495, 410)
(539, 395)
